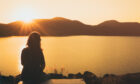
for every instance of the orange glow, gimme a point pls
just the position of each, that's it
(27, 21)
(27, 26)
(87, 11)
(25, 14)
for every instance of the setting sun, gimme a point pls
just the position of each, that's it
(25, 14)
(27, 20)
(69, 41)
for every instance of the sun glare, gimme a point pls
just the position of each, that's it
(27, 20)
(25, 14)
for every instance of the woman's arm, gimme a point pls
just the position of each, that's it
(42, 61)
(23, 54)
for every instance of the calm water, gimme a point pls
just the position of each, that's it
(99, 54)
(64, 81)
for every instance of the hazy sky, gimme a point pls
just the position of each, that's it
(87, 11)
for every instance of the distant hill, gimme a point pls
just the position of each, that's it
(59, 26)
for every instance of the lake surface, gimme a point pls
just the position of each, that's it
(99, 54)
(64, 81)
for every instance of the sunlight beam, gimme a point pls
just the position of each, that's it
(25, 14)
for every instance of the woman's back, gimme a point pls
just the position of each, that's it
(32, 59)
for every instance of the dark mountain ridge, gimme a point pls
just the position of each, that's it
(60, 26)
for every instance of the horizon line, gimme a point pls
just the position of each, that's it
(72, 20)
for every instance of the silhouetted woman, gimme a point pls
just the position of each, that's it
(32, 59)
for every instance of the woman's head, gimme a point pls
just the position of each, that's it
(34, 40)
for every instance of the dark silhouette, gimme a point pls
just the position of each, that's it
(90, 78)
(65, 27)
(75, 76)
(7, 80)
(32, 59)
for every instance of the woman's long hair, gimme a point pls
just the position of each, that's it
(34, 40)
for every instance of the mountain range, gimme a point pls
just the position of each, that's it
(60, 26)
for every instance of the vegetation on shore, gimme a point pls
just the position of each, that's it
(87, 77)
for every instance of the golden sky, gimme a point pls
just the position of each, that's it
(87, 11)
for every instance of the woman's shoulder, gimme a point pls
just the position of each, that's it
(25, 49)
